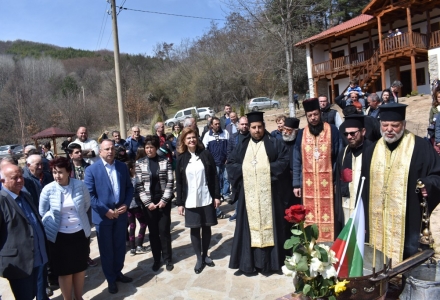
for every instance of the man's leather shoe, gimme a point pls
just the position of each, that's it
(124, 279)
(112, 288)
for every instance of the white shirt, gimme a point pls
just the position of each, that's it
(89, 144)
(113, 176)
(198, 192)
(70, 222)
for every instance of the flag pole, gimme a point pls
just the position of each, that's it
(356, 211)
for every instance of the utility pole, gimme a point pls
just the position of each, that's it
(118, 73)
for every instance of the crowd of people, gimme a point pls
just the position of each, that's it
(48, 208)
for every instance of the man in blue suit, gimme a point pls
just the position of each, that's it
(111, 191)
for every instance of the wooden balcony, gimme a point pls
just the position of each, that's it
(342, 64)
(398, 46)
(405, 41)
(435, 40)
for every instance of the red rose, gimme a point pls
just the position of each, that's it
(296, 213)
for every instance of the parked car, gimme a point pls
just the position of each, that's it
(262, 102)
(17, 152)
(7, 149)
(205, 112)
(190, 112)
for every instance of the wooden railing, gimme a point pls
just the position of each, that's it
(359, 59)
(341, 63)
(402, 41)
(435, 39)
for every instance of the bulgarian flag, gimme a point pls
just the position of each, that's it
(349, 246)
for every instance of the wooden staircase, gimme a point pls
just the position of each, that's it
(369, 72)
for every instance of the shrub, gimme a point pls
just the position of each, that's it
(414, 93)
(408, 95)
(241, 111)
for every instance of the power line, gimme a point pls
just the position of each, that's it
(168, 14)
(120, 7)
(102, 29)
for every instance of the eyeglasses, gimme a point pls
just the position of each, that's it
(353, 133)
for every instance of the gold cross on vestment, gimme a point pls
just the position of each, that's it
(310, 216)
(308, 148)
(323, 147)
(309, 182)
(325, 217)
(324, 183)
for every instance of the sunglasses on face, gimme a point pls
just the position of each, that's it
(353, 133)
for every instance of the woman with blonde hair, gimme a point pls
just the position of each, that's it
(198, 194)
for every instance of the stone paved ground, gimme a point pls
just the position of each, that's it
(218, 282)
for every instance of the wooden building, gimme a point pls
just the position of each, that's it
(362, 49)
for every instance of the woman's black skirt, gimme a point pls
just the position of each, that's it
(69, 254)
(200, 216)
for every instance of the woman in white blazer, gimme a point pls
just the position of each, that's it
(63, 208)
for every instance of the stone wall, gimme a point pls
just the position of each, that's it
(433, 66)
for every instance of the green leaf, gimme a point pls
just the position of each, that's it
(295, 240)
(288, 244)
(302, 266)
(306, 289)
(296, 232)
(324, 255)
(318, 253)
(315, 231)
(332, 298)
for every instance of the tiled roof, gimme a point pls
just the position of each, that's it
(361, 19)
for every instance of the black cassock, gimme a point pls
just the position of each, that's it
(425, 165)
(243, 256)
(342, 188)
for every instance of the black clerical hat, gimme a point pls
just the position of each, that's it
(291, 123)
(392, 112)
(356, 121)
(255, 116)
(311, 104)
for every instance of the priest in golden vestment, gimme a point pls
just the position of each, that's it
(392, 167)
(255, 169)
(314, 156)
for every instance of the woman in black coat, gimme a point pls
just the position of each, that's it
(198, 193)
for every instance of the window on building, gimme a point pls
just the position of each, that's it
(420, 75)
(337, 54)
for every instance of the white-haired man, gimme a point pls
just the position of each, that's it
(392, 168)
(36, 177)
(159, 128)
(133, 142)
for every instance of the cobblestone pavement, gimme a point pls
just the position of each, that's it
(218, 282)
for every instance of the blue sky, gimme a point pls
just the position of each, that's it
(78, 23)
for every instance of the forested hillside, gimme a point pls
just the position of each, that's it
(45, 85)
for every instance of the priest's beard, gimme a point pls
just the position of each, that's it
(393, 139)
(289, 137)
(317, 129)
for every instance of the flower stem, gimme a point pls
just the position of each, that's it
(302, 229)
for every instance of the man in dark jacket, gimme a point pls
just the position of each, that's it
(234, 140)
(36, 177)
(225, 120)
(328, 114)
(22, 238)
